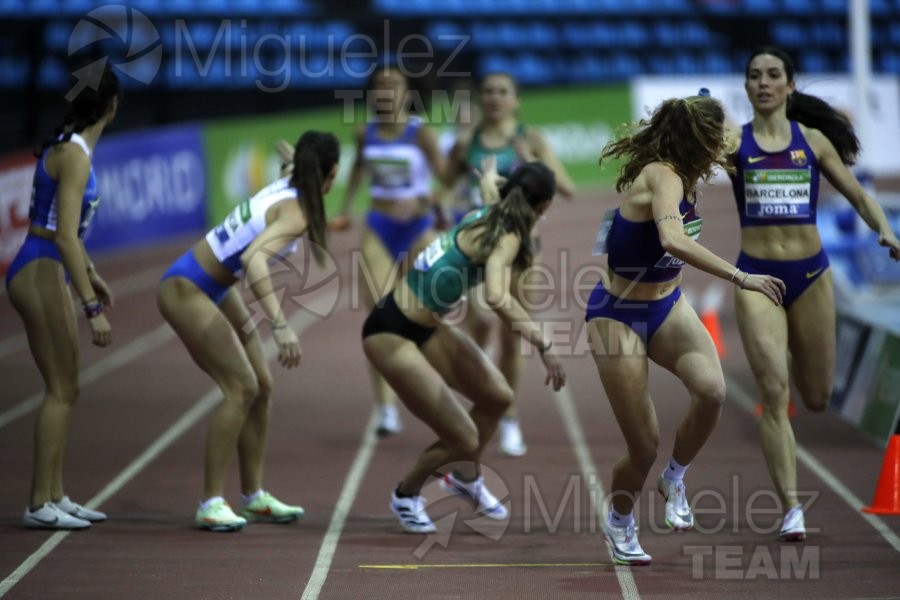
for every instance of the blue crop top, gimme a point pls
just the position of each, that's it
(776, 188)
(44, 203)
(636, 253)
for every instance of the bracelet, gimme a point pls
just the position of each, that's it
(736, 271)
(543, 349)
(281, 325)
(90, 268)
(744, 280)
(92, 309)
(90, 301)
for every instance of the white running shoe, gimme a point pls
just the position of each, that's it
(624, 545)
(76, 510)
(511, 442)
(411, 513)
(49, 516)
(679, 515)
(388, 421)
(793, 528)
(485, 502)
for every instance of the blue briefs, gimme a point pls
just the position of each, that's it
(34, 248)
(187, 266)
(398, 235)
(797, 275)
(643, 316)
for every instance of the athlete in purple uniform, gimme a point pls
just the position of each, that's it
(198, 299)
(63, 200)
(638, 312)
(792, 138)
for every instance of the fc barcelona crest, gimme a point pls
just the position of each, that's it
(798, 157)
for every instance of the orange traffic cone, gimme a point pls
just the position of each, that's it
(709, 316)
(887, 494)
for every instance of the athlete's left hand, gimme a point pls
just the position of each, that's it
(288, 347)
(555, 373)
(889, 240)
(102, 291)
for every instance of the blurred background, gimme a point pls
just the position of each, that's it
(210, 85)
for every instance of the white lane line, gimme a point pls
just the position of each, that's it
(592, 478)
(339, 518)
(300, 321)
(743, 399)
(119, 358)
(121, 288)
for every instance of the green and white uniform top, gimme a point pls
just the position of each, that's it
(508, 160)
(441, 273)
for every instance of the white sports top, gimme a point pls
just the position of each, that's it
(248, 219)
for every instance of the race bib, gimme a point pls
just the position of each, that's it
(667, 261)
(433, 253)
(601, 245)
(391, 172)
(777, 194)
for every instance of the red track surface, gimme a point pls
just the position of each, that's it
(149, 548)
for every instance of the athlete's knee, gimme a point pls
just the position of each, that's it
(465, 443)
(774, 390)
(243, 389)
(263, 388)
(710, 395)
(817, 398)
(501, 397)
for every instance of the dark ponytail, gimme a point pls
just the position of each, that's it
(814, 112)
(530, 185)
(818, 114)
(86, 109)
(315, 155)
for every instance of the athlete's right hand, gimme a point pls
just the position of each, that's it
(101, 331)
(555, 372)
(288, 347)
(339, 223)
(772, 287)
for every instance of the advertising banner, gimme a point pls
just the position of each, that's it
(152, 185)
(16, 176)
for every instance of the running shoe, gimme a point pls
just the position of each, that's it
(793, 528)
(679, 515)
(388, 421)
(626, 548)
(511, 442)
(49, 516)
(268, 508)
(476, 492)
(411, 513)
(76, 510)
(218, 516)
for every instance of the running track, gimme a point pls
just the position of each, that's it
(137, 440)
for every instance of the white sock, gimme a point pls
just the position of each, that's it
(675, 472)
(248, 499)
(617, 520)
(210, 501)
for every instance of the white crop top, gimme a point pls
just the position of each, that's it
(231, 238)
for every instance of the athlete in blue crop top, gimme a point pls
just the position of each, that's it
(501, 134)
(400, 154)
(792, 138)
(64, 198)
(197, 297)
(639, 314)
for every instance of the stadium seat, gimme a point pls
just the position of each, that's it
(789, 34)
(801, 8)
(815, 62)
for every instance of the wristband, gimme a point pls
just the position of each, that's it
(543, 349)
(744, 280)
(281, 325)
(90, 268)
(92, 309)
(736, 271)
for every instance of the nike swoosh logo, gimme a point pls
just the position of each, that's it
(52, 521)
(811, 274)
(755, 159)
(684, 215)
